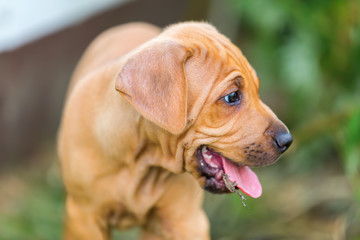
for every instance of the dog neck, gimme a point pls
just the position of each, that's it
(168, 146)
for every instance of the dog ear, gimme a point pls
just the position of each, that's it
(153, 80)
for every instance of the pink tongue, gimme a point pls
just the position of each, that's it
(246, 179)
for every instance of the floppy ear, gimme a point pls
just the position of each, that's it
(153, 81)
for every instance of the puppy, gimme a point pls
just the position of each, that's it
(151, 118)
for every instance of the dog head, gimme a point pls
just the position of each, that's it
(194, 83)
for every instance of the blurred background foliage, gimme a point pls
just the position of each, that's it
(307, 55)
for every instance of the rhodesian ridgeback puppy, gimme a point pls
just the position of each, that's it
(151, 118)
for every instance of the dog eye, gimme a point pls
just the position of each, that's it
(233, 98)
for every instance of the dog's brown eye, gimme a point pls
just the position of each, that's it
(233, 98)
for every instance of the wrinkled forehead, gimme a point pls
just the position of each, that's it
(214, 50)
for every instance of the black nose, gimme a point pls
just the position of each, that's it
(283, 141)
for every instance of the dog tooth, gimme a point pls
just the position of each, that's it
(205, 152)
(208, 156)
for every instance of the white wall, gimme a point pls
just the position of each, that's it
(22, 21)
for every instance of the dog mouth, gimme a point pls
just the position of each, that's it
(213, 166)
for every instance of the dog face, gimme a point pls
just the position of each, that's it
(206, 93)
(234, 129)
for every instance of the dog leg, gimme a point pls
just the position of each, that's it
(178, 215)
(194, 226)
(83, 224)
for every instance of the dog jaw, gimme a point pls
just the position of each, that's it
(213, 165)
